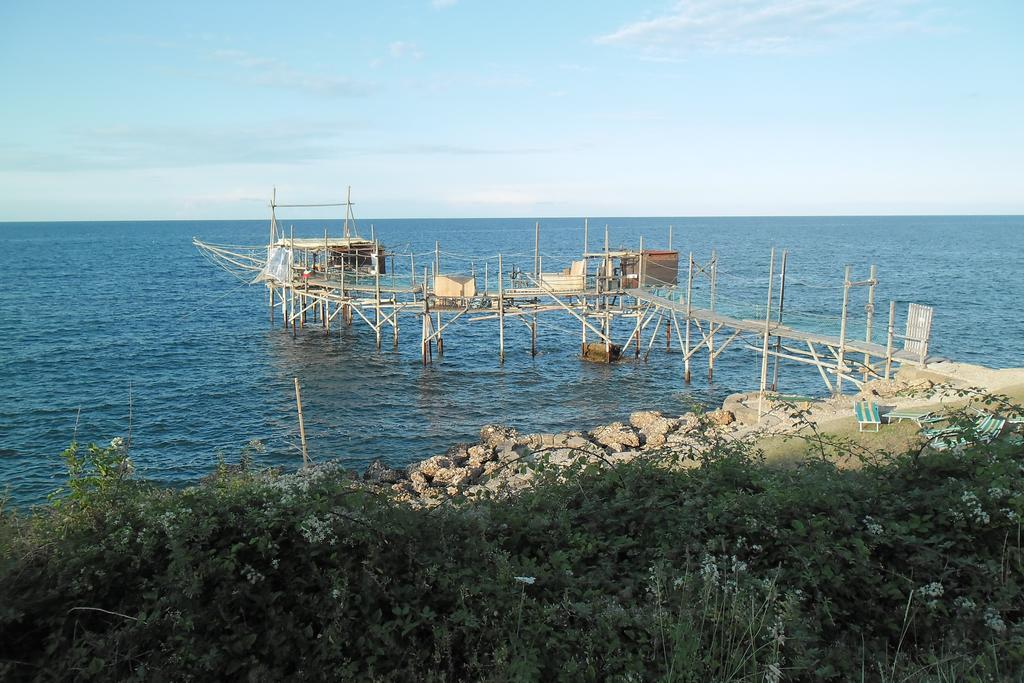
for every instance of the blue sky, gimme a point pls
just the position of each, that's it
(470, 108)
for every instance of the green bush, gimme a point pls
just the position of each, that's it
(905, 569)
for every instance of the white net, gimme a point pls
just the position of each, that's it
(278, 267)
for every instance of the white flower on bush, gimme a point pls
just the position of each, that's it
(117, 443)
(993, 620)
(251, 574)
(709, 569)
(316, 530)
(528, 580)
(873, 527)
(934, 591)
(974, 509)
(964, 604)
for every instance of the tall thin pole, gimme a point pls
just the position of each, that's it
(889, 338)
(711, 325)
(302, 425)
(689, 312)
(670, 238)
(348, 212)
(778, 339)
(870, 310)
(842, 332)
(437, 271)
(764, 343)
(586, 236)
(536, 275)
(501, 312)
(376, 292)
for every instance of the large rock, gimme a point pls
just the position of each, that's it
(722, 417)
(578, 443)
(379, 473)
(740, 406)
(458, 453)
(622, 457)
(687, 423)
(513, 449)
(429, 467)
(492, 435)
(480, 454)
(653, 426)
(616, 436)
(642, 418)
(456, 476)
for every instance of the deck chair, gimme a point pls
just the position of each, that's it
(981, 424)
(867, 415)
(921, 417)
(987, 430)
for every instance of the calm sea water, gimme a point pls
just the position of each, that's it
(92, 313)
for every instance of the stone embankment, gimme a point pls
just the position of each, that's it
(504, 461)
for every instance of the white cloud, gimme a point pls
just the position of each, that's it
(441, 4)
(764, 26)
(272, 72)
(401, 49)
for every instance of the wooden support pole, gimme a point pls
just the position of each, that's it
(302, 425)
(840, 367)
(870, 311)
(889, 339)
(376, 292)
(425, 339)
(394, 319)
(764, 341)
(821, 366)
(714, 295)
(536, 275)
(689, 312)
(501, 312)
(778, 339)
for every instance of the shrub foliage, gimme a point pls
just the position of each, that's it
(907, 568)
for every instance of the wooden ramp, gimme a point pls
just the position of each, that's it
(838, 359)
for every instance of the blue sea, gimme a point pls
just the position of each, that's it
(111, 326)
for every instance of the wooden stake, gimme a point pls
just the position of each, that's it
(501, 312)
(764, 344)
(711, 328)
(778, 340)
(302, 426)
(840, 367)
(689, 310)
(889, 338)
(870, 310)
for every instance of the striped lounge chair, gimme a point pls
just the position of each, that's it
(867, 415)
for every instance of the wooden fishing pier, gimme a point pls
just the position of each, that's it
(326, 281)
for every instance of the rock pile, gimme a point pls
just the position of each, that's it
(503, 461)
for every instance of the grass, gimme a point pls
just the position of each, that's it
(890, 438)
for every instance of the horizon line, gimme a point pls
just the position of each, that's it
(533, 218)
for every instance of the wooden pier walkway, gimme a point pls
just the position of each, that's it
(314, 279)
